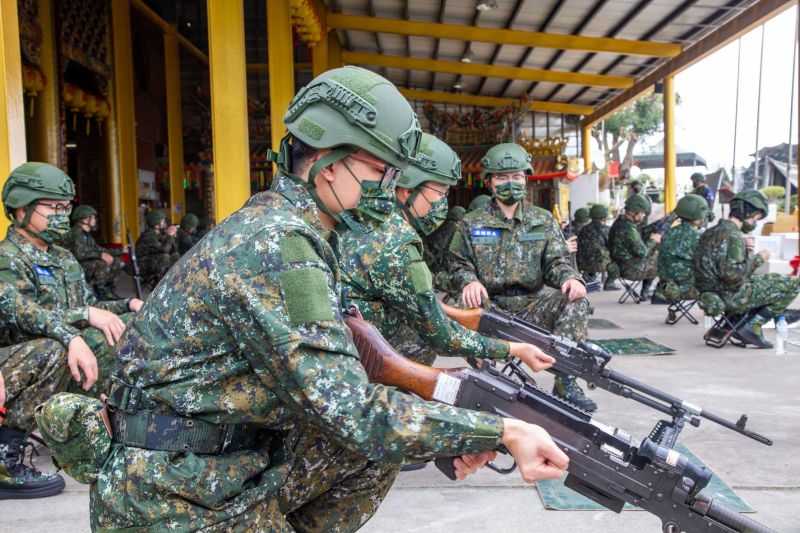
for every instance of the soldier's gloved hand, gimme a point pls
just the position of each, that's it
(573, 289)
(80, 356)
(469, 464)
(532, 356)
(473, 294)
(107, 322)
(572, 244)
(107, 258)
(2, 391)
(535, 453)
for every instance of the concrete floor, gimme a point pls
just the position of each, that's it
(728, 382)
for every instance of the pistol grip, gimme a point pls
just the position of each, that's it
(445, 464)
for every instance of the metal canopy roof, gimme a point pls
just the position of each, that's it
(629, 40)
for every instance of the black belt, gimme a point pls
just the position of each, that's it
(513, 291)
(141, 428)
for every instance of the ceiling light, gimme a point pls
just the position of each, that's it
(468, 56)
(457, 86)
(486, 6)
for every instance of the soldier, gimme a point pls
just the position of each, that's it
(437, 243)
(100, 266)
(36, 198)
(724, 264)
(34, 371)
(510, 249)
(580, 220)
(593, 255)
(206, 225)
(635, 187)
(156, 249)
(637, 259)
(187, 233)
(384, 275)
(702, 189)
(676, 253)
(246, 341)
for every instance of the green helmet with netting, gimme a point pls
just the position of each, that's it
(750, 201)
(581, 215)
(189, 221)
(598, 211)
(83, 211)
(479, 201)
(154, 218)
(692, 207)
(35, 181)
(436, 161)
(354, 108)
(504, 158)
(638, 204)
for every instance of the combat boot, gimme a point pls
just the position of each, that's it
(567, 388)
(18, 480)
(644, 293)
(611, 285)
(751, 334)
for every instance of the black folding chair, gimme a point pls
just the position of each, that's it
(629, 288)
(680, 309)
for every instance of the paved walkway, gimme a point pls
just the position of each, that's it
(728, 382)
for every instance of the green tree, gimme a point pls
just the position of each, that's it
(626, 127)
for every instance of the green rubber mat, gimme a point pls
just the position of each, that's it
(602, 323)
(556, 496)
(634, 346)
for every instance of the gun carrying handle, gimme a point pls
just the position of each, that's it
(469, 318)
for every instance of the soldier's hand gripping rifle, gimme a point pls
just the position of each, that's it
(137, 274)
(606, 464)
(590, 363)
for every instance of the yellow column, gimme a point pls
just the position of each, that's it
(124, 113)
(43, 142)
(172, 67)
(12, 109)
(281, 66)
(319, 56)
(586, 142)
(670, 157)
(334, 50)
(228, 106)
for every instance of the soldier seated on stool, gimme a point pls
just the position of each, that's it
(636, 255)
(100, 266)
(508, 250)
(187, 233)
(156, 249)
(724, 264)
(593, 255)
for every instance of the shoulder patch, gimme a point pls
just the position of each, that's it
(5, 262)
(305, 291)
(736, 250)
(413, 254)
(420, 277)
(297, 249)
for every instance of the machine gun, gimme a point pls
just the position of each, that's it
(660, 226)
(590, 363)
(137, 274)
(606, 464)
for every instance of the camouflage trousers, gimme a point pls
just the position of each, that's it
(33, 372)
(99, 274)
(550, 310)
(310, 484)
(645, 268)
(156, 266)
(773, 291)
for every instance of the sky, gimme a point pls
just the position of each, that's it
(706, 116)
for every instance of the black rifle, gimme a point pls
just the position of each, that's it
(137, 274)
(591, 285)
(590, 363)
(660, 226)
(605, 464)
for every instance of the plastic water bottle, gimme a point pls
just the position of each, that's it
(781, 335)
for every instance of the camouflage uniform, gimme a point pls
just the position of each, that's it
(86, 250)
(637, 259)
(593, 255)
(675, 261)
(54, 280)
(248, 330)
(437, 243)
(383, 273)
(156, 253)
(185, 240)
(723, 265)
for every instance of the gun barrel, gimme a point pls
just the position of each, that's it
(737, 522)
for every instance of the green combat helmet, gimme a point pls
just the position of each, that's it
(504, 158)
(154, 218)
(456, 213)
(479, 202)
(755, 199)
(598, 211)
(698, 176)
(436, 162)
(638, 204)
(189, 221)
(692, 207)
(635, 181)
(582, 215)
(35, 181)
(83, 211)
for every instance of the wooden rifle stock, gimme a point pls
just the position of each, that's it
(469, 318)
(386, 366)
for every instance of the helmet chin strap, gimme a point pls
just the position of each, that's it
(337, 154)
